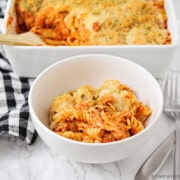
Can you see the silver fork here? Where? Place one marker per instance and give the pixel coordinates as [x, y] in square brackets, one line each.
[172, 109]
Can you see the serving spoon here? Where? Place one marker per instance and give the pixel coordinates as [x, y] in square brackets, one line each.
[25, 39]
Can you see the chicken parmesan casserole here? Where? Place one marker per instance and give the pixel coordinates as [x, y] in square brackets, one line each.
[94, 22]
[109, 113]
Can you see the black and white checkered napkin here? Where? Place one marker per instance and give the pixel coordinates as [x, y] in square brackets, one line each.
[14, 110]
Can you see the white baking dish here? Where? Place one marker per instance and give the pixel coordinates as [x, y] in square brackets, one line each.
[29, 61]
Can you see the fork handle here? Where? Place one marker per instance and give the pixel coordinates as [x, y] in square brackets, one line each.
[177, 151]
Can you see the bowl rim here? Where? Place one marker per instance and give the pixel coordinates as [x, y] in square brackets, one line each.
[75, 58]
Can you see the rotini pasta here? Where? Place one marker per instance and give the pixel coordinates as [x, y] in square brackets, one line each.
[97, 22]
[109, 113]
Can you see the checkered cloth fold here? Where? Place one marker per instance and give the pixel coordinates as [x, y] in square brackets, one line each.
[14, 110]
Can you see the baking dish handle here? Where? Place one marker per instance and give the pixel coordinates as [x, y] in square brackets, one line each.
[176, 63]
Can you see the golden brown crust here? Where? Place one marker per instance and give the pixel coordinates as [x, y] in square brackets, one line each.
[105, 22]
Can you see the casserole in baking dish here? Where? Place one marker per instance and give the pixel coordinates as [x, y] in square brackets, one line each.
[95, 36]
[105, 22]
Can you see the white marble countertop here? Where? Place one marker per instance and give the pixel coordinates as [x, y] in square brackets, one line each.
[19, 161]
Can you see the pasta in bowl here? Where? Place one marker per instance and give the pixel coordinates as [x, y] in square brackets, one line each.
[109, 113]
[106, 89]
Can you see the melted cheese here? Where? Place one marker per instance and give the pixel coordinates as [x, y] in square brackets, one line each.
[105, 22]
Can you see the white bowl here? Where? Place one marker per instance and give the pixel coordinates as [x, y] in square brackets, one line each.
[93, 69]
[155, 58]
